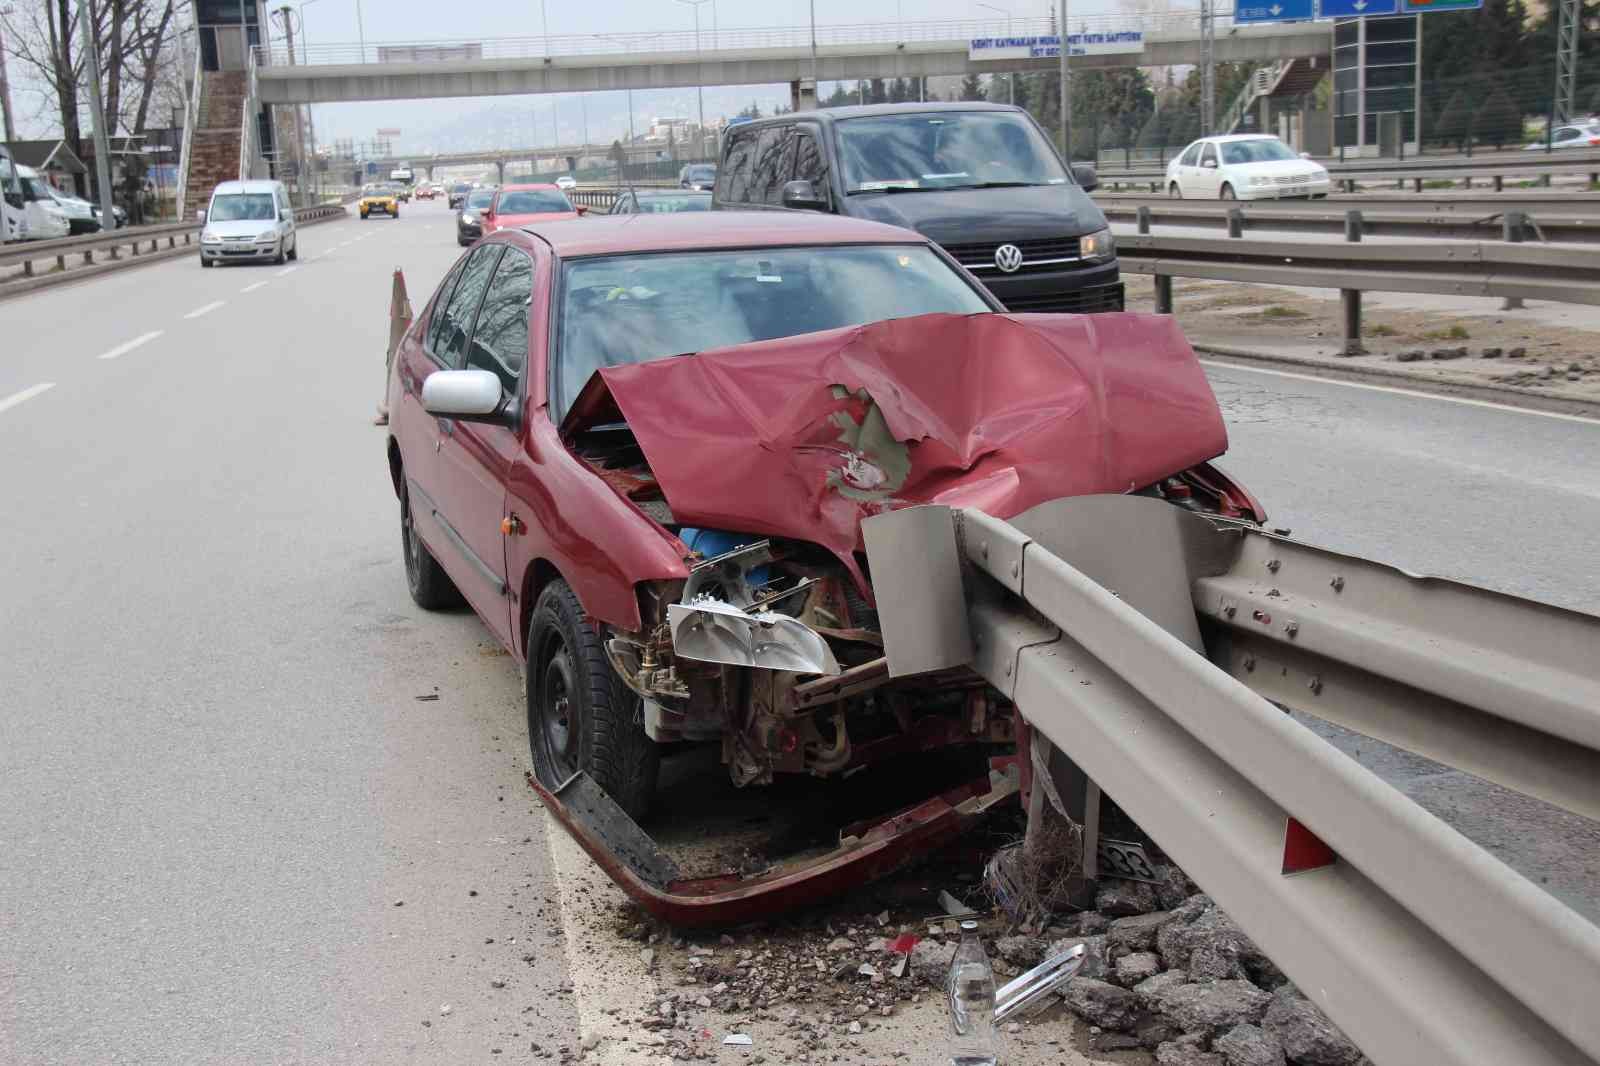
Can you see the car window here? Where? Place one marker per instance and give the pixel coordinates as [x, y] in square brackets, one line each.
[784, 169]
[532, 202]
[1191, 158]
[667, 204]
[1567, 134]
[634, 308]
[944, 150]
[769, 153]
[451, 339]
[621, 206]
[736, 168]
[500, 339]
[1209, 155]
[481, 198]
[810, 164]
[1264, 150]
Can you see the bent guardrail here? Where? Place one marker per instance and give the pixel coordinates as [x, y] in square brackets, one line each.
[1105, 618]
[141, 244]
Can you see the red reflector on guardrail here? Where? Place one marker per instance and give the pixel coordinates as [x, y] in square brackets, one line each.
[1303, 850]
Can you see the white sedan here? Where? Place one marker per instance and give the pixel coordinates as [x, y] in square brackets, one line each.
[566, 181]
[1577, 135]
[1243, 168]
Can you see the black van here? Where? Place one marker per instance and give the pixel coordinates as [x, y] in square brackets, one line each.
[981, 180]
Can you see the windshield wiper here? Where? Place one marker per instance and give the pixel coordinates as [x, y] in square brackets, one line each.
[896, 188]
[998, 185]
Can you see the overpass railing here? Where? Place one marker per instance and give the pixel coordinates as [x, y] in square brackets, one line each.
[191, 119]
[1158, 649]
[736, 39]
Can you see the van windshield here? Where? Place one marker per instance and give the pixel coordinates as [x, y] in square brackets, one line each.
[243, 207]
[945, 150]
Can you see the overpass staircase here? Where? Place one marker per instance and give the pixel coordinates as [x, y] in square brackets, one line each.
[214, 140]
[1285, 80]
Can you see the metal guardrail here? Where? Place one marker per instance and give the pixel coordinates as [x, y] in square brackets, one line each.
[1237, 219]
[1145, 642]
[1455, 168]
[142, 244]
[604, 196]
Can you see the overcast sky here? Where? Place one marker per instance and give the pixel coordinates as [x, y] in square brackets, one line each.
[327, 22]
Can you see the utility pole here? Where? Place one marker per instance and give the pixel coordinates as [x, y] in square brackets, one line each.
[1566, 63]
[1208, 67]
[1066, 89]
[700, 91]
[287, 14]
[361, 31]
[97, 115]
[5, 86]
[1011, 78]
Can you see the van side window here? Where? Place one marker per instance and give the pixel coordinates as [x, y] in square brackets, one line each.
[736, 168]
[785, 169]
[810, 164]
[1191, 158]
[769, 157]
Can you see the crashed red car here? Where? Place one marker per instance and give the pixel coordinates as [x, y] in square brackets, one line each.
[641, 448]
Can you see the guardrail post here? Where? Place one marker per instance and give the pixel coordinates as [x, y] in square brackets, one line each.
[1144, 218]
[1499, 183]
[88, 257]
[1512, 224]
[27, 268]
[1163, 294]
[1235, 222]
[61, 261]
[1416, 184]
[1350, 299]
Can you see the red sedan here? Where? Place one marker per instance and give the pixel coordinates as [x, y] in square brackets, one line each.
[515, 206]
[641, 449]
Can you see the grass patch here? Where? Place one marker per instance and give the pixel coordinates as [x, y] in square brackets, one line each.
[1439, 183]
[1279, 311]
[1382, 331]
[1457, 332]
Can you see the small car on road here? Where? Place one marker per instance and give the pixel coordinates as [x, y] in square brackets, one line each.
[515, 206]
[378, 200]
[567, 181]
[641, 449]
[469, 223]
[1244, 167]
[249, 221]
[698, 176]
[458, 194]
[1577, 135]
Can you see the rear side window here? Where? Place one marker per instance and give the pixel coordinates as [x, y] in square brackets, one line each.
[1191, 158]
[500, 339]
[769, 175]
[450, 342]
[736, 168]
[810, 164]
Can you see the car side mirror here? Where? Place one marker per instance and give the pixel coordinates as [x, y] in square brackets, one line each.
[1209, 164]
[200, 216]
[1085, 174]
[467, 395]
[803, 196]
[1305, 155]
[582, 209]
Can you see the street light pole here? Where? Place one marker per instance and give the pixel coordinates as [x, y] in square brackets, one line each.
[544, 21]
[361, 31]
[625, 51]
[102, 143]
[1066, 89]
[1011, 77]
[700, 91]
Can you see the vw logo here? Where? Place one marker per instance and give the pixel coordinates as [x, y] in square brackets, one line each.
[1008, 257]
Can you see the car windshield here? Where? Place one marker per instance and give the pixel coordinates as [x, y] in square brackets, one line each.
[1265, 150]
[37, 189]
[481, 198]
[242, 207]
[667, 205]
[532, 202]
[945, 150]
[635, 308]
[701, 173]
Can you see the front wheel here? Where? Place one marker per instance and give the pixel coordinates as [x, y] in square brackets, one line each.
[208, 264]
[294, 251]
[1227, 193]
[1173, 192]
[282, 253]
[580, 714]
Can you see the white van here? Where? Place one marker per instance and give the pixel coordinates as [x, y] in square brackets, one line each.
[248, 221]
[13, 216]
[40, 217]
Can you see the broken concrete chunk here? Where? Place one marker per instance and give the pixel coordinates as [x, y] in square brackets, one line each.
[1023, 951]
[1102, 1004]
[1174, 1054]
[930, 962]
[1415, 355]
[1118, 898]
[1150, 990]
[1136, 933]
[1248, 1045]
[1212, 1008]
[1132, 969]
[1095, 963]
[1307, 1036]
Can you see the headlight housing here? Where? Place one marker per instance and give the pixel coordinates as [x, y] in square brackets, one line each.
[266, 238]
[1098, 245]
[1260, 180]
[208, 237]
[466, 219]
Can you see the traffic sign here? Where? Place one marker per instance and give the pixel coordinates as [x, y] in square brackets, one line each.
[1247, 11]
[1350, 9]
[1423, 7]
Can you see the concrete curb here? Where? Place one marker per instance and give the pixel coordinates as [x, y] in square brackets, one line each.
[1394, 377]
[11, 289]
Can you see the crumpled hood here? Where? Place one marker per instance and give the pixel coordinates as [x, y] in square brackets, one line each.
[977, 216]
[803, 437]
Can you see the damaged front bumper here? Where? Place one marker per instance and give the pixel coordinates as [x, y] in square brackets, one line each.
[866, 851]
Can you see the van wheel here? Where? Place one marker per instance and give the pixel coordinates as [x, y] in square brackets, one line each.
[1173, 192]
[580, 714]
[208, 264]
[294, 250]
[282, 255]
[430, 587]
[1227, 193]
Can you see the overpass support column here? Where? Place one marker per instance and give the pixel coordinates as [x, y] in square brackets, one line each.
[500, 169]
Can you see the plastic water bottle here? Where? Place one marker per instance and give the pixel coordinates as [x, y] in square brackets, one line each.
[971, 990]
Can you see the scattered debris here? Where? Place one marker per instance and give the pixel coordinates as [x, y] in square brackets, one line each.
[428, 697]
[738, 1039]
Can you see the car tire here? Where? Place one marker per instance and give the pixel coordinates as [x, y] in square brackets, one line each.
[430, 587]
[208, 264]
[580, 714]
[363, 216]
[1227, 193]
[294, 250]
[1173, 192]
[282, 254]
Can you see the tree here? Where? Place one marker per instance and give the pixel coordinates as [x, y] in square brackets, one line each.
[972, 87]
[1453, 123]
[752, 112]
[876, 92]
[1499, 120]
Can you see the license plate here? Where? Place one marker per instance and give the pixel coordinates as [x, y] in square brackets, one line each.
[1124, 859]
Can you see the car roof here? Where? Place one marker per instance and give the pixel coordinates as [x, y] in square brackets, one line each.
[245, 186]
[711, 230]
[529, 187]
[646, 193]
[831, 114]
[1243, 137]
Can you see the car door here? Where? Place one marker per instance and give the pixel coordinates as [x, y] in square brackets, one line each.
[1185, 173]
[434, 511]
[476, 457]
[1208, 175]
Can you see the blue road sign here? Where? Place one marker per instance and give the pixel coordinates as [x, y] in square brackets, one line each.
[1349, 9]
[1246, 11]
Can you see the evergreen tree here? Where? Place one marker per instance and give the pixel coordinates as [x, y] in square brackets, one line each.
[877, 93]
[1453, 124]
[902, 91]
[1499, 121]
[972, 87]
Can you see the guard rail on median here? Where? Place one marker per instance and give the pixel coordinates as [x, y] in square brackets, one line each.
[1145, 643]
[1550, 224]
[142, 244]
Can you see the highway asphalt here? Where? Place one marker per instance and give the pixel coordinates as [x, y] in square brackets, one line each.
[257, 808]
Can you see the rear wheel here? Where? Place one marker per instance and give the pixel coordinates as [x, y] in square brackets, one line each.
[430, 587]
[1227, 193]
[580, 714]
[1173, 192]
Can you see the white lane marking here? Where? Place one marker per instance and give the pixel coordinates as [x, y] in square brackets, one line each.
[252, 288]
[124, 349]
[1508, 408]
[25, 395]
[206, 310]
[285, 270]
